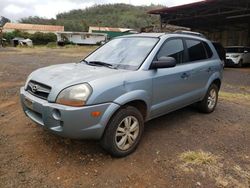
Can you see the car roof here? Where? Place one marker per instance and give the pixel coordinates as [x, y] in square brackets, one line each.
[145, 35]
[163, 35]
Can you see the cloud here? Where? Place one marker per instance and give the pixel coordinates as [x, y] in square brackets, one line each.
[16, 9]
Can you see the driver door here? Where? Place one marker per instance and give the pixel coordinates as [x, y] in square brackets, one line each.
[170, 84]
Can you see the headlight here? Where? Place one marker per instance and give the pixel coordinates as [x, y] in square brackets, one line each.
[75, 95]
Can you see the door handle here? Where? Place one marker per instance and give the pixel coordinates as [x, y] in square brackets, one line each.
[185, 75]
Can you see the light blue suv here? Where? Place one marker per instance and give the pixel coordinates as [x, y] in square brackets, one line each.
[131, 79]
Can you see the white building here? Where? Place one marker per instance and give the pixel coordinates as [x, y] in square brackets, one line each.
[81, 37]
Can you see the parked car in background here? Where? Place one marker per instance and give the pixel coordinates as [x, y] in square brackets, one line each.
[237, 56]
[129, 80]
[221, 51]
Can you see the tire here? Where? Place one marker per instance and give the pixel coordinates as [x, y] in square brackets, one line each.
[208, 104]
[117, 139]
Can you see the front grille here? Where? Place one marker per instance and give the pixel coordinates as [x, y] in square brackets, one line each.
[39, 90]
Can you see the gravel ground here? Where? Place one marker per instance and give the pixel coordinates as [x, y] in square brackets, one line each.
[181, 149]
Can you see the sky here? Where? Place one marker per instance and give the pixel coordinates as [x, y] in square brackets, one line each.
[16, 9]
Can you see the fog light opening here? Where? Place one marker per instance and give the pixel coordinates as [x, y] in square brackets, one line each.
[56, 114]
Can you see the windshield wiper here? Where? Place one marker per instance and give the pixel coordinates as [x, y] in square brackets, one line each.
[85, 61]
[100, 63]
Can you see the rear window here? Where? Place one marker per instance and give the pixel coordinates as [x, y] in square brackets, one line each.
[196, 50]
[220, 50]
[208, 50]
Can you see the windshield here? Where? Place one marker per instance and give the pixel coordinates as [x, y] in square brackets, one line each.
[126, 53]
[235, 50]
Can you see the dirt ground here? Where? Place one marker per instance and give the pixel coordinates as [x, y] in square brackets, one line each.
[181, 149]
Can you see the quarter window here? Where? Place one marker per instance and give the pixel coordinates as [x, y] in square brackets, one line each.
[196, 50]
[172, 48]
[248, 50]
[209, 51]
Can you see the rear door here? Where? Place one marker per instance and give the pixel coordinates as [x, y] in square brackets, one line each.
[202, 67]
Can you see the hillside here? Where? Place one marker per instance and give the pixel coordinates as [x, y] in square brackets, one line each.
[111, 15]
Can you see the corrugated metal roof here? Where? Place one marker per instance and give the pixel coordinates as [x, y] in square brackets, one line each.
[33, 27]
[94, 28]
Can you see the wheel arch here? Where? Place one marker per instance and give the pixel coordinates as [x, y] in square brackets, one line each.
[138, 99]
[217, 82]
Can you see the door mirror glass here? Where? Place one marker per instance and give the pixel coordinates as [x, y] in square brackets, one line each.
[163, 62]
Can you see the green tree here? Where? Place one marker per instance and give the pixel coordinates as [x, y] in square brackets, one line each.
[110, 15]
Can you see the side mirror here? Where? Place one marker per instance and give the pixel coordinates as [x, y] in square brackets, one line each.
[163, 62]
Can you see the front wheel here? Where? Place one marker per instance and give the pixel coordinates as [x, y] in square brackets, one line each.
[208, 104]
[123, 132]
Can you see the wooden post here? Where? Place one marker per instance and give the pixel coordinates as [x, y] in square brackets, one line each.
[160, 22]
[1, 37]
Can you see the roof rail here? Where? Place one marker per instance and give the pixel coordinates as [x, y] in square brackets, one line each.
[190, 33]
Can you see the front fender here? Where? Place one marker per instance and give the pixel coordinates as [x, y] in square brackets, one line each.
[141, 95]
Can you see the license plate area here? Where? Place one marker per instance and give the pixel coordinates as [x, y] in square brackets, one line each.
[28, 103]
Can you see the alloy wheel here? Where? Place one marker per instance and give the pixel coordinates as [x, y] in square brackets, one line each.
[127, 133]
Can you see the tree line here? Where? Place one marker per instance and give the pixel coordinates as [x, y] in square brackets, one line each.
[110, 15]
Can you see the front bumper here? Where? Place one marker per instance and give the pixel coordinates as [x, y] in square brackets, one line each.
[66, 121]
[232, 61]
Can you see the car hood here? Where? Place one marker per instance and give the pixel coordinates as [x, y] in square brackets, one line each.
[232, 54]
[61, 76]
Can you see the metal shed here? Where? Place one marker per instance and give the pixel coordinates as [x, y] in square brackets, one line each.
[227, 21]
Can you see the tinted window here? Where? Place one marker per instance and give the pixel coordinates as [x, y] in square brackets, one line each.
[234, 50]
[172, 48]
[209, 51]
[220, 50]
[196, 50]
[247, 49]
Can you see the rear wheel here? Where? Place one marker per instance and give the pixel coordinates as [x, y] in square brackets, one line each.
[208, 104]
[123, 132]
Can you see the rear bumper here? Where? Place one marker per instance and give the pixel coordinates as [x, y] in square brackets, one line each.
[69, 122]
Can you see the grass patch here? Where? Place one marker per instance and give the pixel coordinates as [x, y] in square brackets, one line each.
[214, 167]
[235, 97]
[198, 157]
[70, 51]
[52, 45]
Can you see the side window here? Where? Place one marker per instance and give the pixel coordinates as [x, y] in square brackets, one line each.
[209, 51]
[196, 50]
[172, 48]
